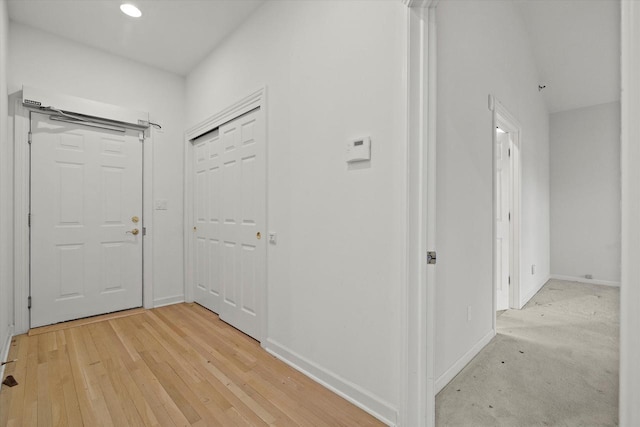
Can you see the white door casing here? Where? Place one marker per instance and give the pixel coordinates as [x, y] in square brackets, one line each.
[515, 194]
[629, 412]
[502, 209]
[417, 388]
[229, 209]
[503, 119]
[86, 189]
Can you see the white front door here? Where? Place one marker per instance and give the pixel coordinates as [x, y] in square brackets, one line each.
[503, 203]
[86, 203]
[230, 215]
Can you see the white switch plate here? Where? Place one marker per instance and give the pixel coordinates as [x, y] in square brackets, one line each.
[273, 237]
[358, 150]
[161, 205]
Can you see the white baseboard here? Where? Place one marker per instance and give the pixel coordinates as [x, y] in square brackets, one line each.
[584, 280]
[524, 300]
[455, 369]
[4, 354]
[349, 391]
[161, 302]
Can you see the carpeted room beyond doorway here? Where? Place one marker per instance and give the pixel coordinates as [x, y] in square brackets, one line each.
[553, 363]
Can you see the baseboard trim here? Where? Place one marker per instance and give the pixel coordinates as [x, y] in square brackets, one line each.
[584, 280]
[459, 365]
[5, 352]
[533, 291]
[349, 391]
[161, 302]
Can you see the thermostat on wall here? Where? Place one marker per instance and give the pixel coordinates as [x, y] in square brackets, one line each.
[359, 150]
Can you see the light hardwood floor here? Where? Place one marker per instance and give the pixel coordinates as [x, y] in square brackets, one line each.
[173, 366]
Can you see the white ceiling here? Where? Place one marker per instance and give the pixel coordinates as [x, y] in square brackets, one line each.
[172, 35]
[577, 48]
[576, 42]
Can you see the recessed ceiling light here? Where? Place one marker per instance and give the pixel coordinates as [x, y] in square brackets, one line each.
[130, 10]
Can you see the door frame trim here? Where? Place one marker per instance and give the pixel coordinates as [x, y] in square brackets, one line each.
[629, 411]
[255, 99]
[503, 118]
[20, 126]
[417, 384]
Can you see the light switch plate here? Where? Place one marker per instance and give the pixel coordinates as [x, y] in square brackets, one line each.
[358, 150]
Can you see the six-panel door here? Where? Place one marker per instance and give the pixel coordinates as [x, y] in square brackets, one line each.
[86, 189]
[229, 218]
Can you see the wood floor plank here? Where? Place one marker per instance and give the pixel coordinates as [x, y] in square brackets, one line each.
[30, 405]
[236, 372]
[125, 339]
[77, 362]
[72, 405]
[11, 404]
[206, 363]
[157, 351]
[44, 395]
[212, 397]
[190, 382]
[90, 365]
[119, 355]
[234, 377]
[58, 406]
[145, 376]
[86, 321]
[121, 408]
[153, 411]
[204, 341]
[178, 365]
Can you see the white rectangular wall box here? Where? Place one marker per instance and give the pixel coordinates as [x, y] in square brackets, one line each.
[39, 98]
[358, 150]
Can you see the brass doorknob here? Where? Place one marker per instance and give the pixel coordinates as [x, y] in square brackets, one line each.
[135, 231]
[258, 235]
[135, 219]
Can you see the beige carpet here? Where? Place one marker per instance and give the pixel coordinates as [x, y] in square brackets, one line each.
[553, 363]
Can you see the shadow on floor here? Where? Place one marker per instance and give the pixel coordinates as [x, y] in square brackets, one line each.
[553, 363]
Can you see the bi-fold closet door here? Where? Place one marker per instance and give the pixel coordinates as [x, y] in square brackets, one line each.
[229, 258]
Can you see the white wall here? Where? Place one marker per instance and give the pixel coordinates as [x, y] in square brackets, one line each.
[483, 49]
[6, 230]
[45, 61]
[585, 192]
[333, 71]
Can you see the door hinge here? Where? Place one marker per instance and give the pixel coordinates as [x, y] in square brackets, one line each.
[29, 220]
[29, 302]
[144, 231]
[509, 152]
[509, 281]
[431, 257]
[141, 136]
[29, 138]
[509, 216]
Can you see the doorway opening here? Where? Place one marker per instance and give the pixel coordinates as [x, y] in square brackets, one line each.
[506, 180]
[85, 219]
[82, 186]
